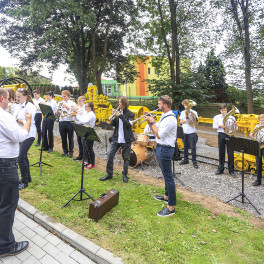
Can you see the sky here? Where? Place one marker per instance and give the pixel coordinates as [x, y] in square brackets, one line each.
[59, 77]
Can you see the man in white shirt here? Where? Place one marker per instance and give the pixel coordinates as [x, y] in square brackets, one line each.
[190, 136]
[223, 139]
[65, 127]
[48, 125]
[38, 116]
[165, 131]
[10, 136]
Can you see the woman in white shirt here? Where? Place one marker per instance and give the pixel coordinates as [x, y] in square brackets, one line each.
[25, 106]
[12, 104]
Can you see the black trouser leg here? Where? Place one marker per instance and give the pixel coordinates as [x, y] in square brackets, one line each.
[126, 149]
[38, 119]
[110, 160]
[9, 194]
[90, 152]
[70, 132]
[80, 146]
[50, 126]
[230, 154]
[22, 159]
[259, 167]
[63, 133]
[44, 134]
[221, 148]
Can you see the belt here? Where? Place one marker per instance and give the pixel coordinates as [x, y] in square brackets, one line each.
[164, 146]
[7, 159]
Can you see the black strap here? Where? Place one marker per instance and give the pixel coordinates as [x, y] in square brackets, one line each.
[167, 116]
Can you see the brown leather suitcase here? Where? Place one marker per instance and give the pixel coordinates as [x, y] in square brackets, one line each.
[103, 204]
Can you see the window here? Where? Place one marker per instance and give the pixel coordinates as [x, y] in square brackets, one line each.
[155, 71]
[148, 70]
[107, 90]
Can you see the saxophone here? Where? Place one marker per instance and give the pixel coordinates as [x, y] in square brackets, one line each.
[258, 134]
[193, 122]
[230, 122]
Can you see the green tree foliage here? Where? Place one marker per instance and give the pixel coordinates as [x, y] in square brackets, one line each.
[86, 35]
[173, 29]
[215, 72]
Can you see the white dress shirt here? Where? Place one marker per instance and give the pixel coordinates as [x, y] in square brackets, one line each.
[20, 112]
[36, 103]
[121, 136]
[70, 104]
[53, 105]
[187, 129]
[218, 120]
[87, 119]
[167, 129]
[11, 106]
[81, 112]
[10, 135]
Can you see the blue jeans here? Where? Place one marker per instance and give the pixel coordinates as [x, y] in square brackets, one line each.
[164, 155]
[8, 202]
[189, 140]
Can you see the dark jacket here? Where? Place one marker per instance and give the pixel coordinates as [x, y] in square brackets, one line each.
[128, 133]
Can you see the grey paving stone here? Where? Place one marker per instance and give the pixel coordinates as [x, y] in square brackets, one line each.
[18, 225]
[54, 240]
[105, 257]
[11, 260]
[41, 231]
[27, 208]
[36, 251]
[38, 240]
[27, 232]
[67, 249]
[30, 223]
[65, 259]
[51, 250]
[23, 256]
[32, 260]
[47, 259]
[20, 216]
[17, 234]
[79, 257]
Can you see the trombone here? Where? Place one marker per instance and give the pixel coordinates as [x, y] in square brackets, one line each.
[143, 116]
[113, 115]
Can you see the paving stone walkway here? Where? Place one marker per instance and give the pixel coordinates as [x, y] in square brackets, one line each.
[44, 247]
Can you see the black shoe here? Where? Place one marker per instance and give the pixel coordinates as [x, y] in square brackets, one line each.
[50, 150]
[23, 185]
[184, 162]
[63, 155]
[107, 177]
[19, 247]
[125, 179]
[160, 198]
[29, 179]
[70, 155]
[166, 212]
[78, 158]
[218, 172]
[233, 174]
[37, 145]
[195, 165]
[256, 183]
[44, 149]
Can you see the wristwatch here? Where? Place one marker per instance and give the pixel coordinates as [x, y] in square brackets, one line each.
[151, 123]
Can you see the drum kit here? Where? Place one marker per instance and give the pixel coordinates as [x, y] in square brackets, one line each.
[140, 149]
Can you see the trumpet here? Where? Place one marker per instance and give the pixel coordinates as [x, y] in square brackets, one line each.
[60, 106]
[113, 115]
[72, 112]
[143, 116]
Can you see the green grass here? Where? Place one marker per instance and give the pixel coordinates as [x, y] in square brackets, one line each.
[132, 230]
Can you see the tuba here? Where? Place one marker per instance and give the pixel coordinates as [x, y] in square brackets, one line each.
[258, 134]
[193, 122]
[230, 122]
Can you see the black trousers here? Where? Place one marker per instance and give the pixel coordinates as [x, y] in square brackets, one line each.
[9, 194]
[223, 140]
[38, 119]
[126, 148]
[89, 151]
[80, 145]
[47, 133]
[23, 161]
[66, 130]
[259, 166]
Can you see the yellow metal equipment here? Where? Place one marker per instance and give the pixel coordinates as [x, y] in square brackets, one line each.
[14, 86]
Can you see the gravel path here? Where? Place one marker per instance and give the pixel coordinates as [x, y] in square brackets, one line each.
[202, 180]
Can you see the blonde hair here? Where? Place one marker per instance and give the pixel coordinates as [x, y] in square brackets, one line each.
[261, 116]
[185, 102]
[83, 98]
[66, 92]
[166, 100]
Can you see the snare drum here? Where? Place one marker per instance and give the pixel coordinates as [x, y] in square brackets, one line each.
[142, 139]
[152, 141]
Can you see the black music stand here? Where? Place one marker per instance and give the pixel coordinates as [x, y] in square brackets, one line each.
[248, 146]
[84, 133]
[48, 113]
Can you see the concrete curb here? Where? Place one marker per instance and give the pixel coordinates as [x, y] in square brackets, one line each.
[88, 248]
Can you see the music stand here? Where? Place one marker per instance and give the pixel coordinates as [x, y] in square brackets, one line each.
[84, 133]
[47, 113]
[248, 146]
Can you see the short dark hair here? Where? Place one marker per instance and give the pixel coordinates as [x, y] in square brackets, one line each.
[166, 100]
[50, 93]
[91, 104]
[36, 91]
[124, 102]
[222, 106]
